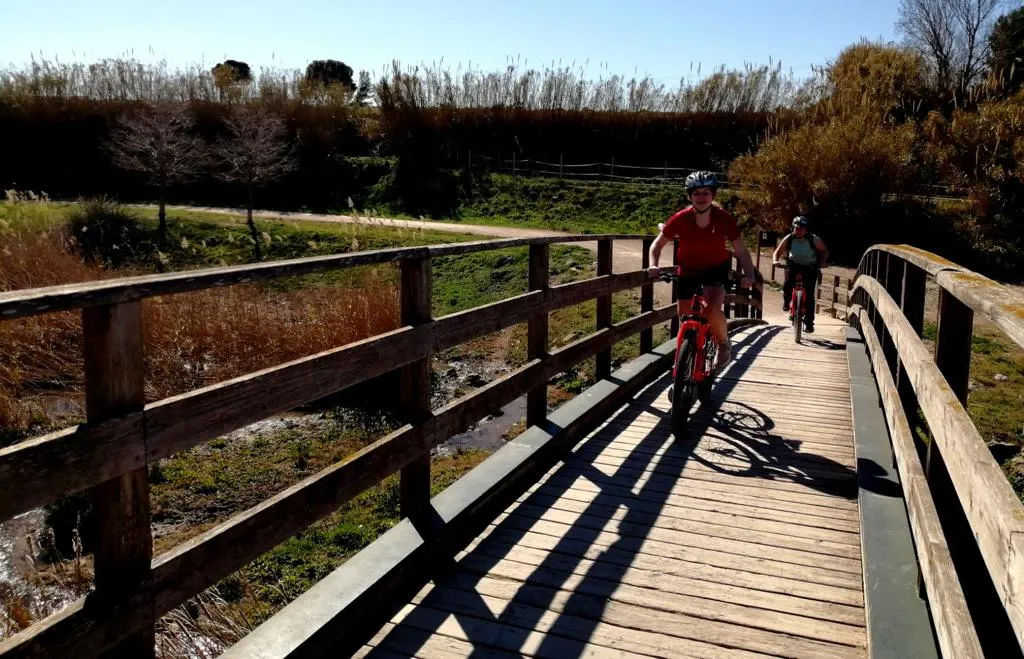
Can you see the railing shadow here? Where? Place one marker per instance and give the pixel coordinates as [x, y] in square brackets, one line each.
[542, 592]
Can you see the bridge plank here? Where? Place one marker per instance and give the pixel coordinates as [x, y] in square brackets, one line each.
[740, 538]
[731, 503]
[615, 506]
[556, 547]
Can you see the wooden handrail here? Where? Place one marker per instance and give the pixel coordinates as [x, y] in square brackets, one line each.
[953, 626]
[65, 297]
[1001, 305]
[994, 513]
[120, 443]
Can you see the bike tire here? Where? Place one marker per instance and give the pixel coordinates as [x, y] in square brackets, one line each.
[683, 393]
[704, 388]
[798, 305]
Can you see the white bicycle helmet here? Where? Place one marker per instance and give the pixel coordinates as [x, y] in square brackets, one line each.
[701, 179]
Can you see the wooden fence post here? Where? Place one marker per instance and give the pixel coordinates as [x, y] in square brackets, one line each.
[894, 271]
[835, 294]
[115, 386]
[414, 486]
[537, 334]
[912, 304]
[646, 297]
[674, 324]
[953, 357]
[603, 366]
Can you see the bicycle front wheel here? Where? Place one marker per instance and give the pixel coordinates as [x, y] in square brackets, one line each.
[710, 359]
[683, 391]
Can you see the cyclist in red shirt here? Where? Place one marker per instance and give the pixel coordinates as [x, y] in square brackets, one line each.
[703, 230]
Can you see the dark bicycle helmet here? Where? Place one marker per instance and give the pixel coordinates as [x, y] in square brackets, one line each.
[701, 179]
[801, 221]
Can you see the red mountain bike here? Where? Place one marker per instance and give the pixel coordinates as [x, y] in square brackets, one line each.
[693, 370]
[797, 302]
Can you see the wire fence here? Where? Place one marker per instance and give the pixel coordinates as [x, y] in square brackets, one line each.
[661, 174]
[592, 171]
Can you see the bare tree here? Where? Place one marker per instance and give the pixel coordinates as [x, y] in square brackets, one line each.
[159, 144]
[255, 152]
[952, 34]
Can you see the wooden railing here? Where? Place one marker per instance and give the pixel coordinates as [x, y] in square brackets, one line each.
[966, 520]
[109, 454]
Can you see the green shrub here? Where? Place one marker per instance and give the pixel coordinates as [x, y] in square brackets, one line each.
[108, 235]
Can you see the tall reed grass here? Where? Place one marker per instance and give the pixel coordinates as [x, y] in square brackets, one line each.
[751, 89]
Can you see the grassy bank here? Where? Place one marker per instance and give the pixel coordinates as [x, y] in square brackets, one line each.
[578, 207]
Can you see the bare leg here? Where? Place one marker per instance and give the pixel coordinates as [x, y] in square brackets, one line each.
[715, 296]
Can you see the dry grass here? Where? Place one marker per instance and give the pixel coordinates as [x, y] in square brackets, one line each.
[191, 340]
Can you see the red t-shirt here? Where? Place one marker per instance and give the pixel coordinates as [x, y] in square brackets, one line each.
[700, 249]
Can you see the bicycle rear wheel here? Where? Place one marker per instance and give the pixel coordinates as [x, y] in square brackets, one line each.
[684, 390]
[798, 308]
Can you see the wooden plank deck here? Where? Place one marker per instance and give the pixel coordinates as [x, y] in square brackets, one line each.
[742, 540]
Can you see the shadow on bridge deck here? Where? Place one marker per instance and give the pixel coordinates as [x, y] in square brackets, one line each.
[742, 537]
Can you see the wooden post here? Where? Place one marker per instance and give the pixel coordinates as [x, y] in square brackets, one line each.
[613, 165]
[894, 269]
[912, 303]
[414, 486]
[115, 386]
[674, 325]
[513, 163]
[757, 257]
[953, 343]
[561, 164]
[777, 240]
[835, 294]
[913, 297]
[537, 334]
[604, 307]
[646, 297]
[953, 357]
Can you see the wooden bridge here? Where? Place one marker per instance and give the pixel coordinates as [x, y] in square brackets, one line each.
[832, 499]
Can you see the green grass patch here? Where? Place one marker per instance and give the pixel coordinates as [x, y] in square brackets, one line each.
[470, 280]
[995, 402]
[575, 207]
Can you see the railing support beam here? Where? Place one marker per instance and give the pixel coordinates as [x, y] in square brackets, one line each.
[115, 386]
[646, 298]
[414, 485]
[537, 334]
[603, 367]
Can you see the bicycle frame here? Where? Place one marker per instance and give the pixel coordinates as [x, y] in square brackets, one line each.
[798, 284]
[697, 322]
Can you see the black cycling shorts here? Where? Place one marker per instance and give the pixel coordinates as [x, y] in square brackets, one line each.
[714, 276]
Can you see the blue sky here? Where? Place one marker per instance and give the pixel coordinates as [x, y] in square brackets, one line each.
[653, 37]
